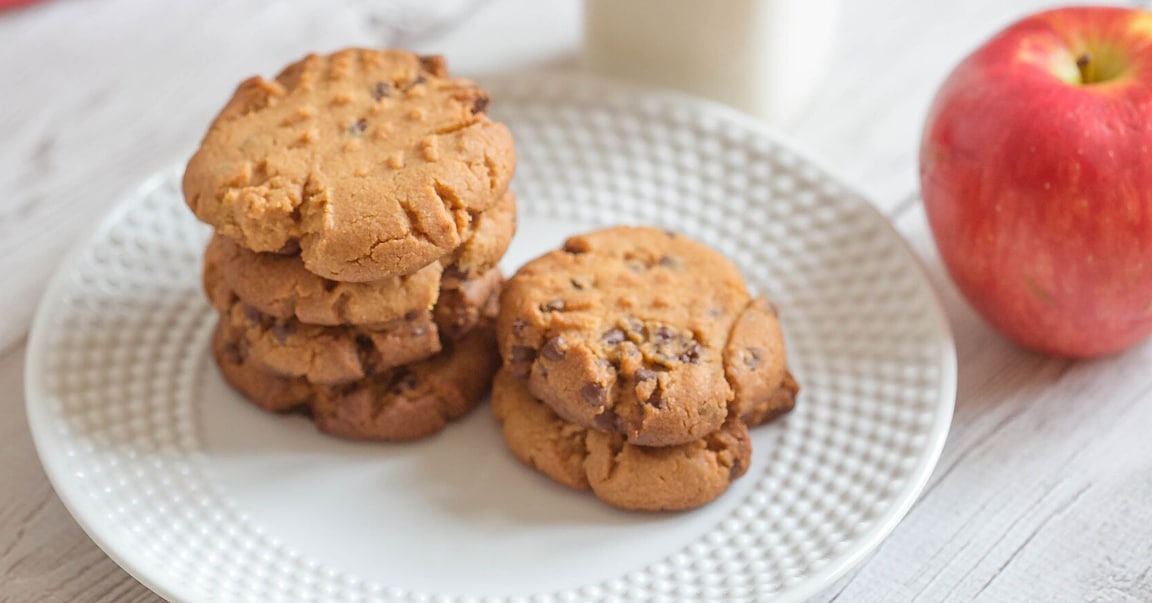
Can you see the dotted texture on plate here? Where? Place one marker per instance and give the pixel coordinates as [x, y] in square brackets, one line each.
[864, 336]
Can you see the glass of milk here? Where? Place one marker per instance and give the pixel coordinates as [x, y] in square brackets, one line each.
[760, 56]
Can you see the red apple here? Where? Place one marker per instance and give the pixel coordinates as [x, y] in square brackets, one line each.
[1036, 174]
[7, 4]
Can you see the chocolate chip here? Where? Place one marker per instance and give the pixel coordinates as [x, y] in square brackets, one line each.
[670, 234]
[281, 331]
[403, 382]
[382, 90]
[644, 374]
[692, 355]
[752, 358]
[613, 336]
[420, 79]
[594, 394]
[670, 262]
[607, 420]
[358, 127]
[522, 354]
[252, 313]
[454, 272]
[292, 247]
[518, 325]
[242, 347]
[554, 349]
[662, 334]
[553, 306]
[231, 353]
[656, 400]
[480, 104]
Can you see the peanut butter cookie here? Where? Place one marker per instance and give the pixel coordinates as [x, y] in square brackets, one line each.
[373, 163]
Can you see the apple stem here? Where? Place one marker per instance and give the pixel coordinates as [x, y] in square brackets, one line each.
[1087, 68]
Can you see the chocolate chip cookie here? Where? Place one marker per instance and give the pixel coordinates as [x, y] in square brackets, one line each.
[346, 353]
[373, 163]
[332, 355]
[772, 406]
[754, 364]
[621, 474]
[640, 332]
[404, 403]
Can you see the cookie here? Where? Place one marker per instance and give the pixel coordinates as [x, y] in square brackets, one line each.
[623, 475]
[630, 330]
[262, 387]
[461, 307]
[343, 354]
[374, 163]
[779, 402]
[754, 361]
[280, 285]
[405, 403]
[332, 355]
[492, 233]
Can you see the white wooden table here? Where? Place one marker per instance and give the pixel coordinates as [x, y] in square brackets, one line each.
[1044, 489]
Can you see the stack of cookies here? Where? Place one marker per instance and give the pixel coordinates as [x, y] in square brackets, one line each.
[635, 360]
[360, 202]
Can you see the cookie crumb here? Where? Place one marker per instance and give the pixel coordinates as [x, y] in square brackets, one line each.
[553, 349]
[555, 305]
[431, 149]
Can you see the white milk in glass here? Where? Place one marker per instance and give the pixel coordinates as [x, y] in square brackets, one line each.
[760, 56]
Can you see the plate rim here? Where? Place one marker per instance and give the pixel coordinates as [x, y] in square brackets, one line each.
[138, 565]
[39, 419]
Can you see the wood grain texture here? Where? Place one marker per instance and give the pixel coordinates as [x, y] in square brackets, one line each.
[1043, 487]
[44, 555]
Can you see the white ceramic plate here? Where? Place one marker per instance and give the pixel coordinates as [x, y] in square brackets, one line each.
[205, 498]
